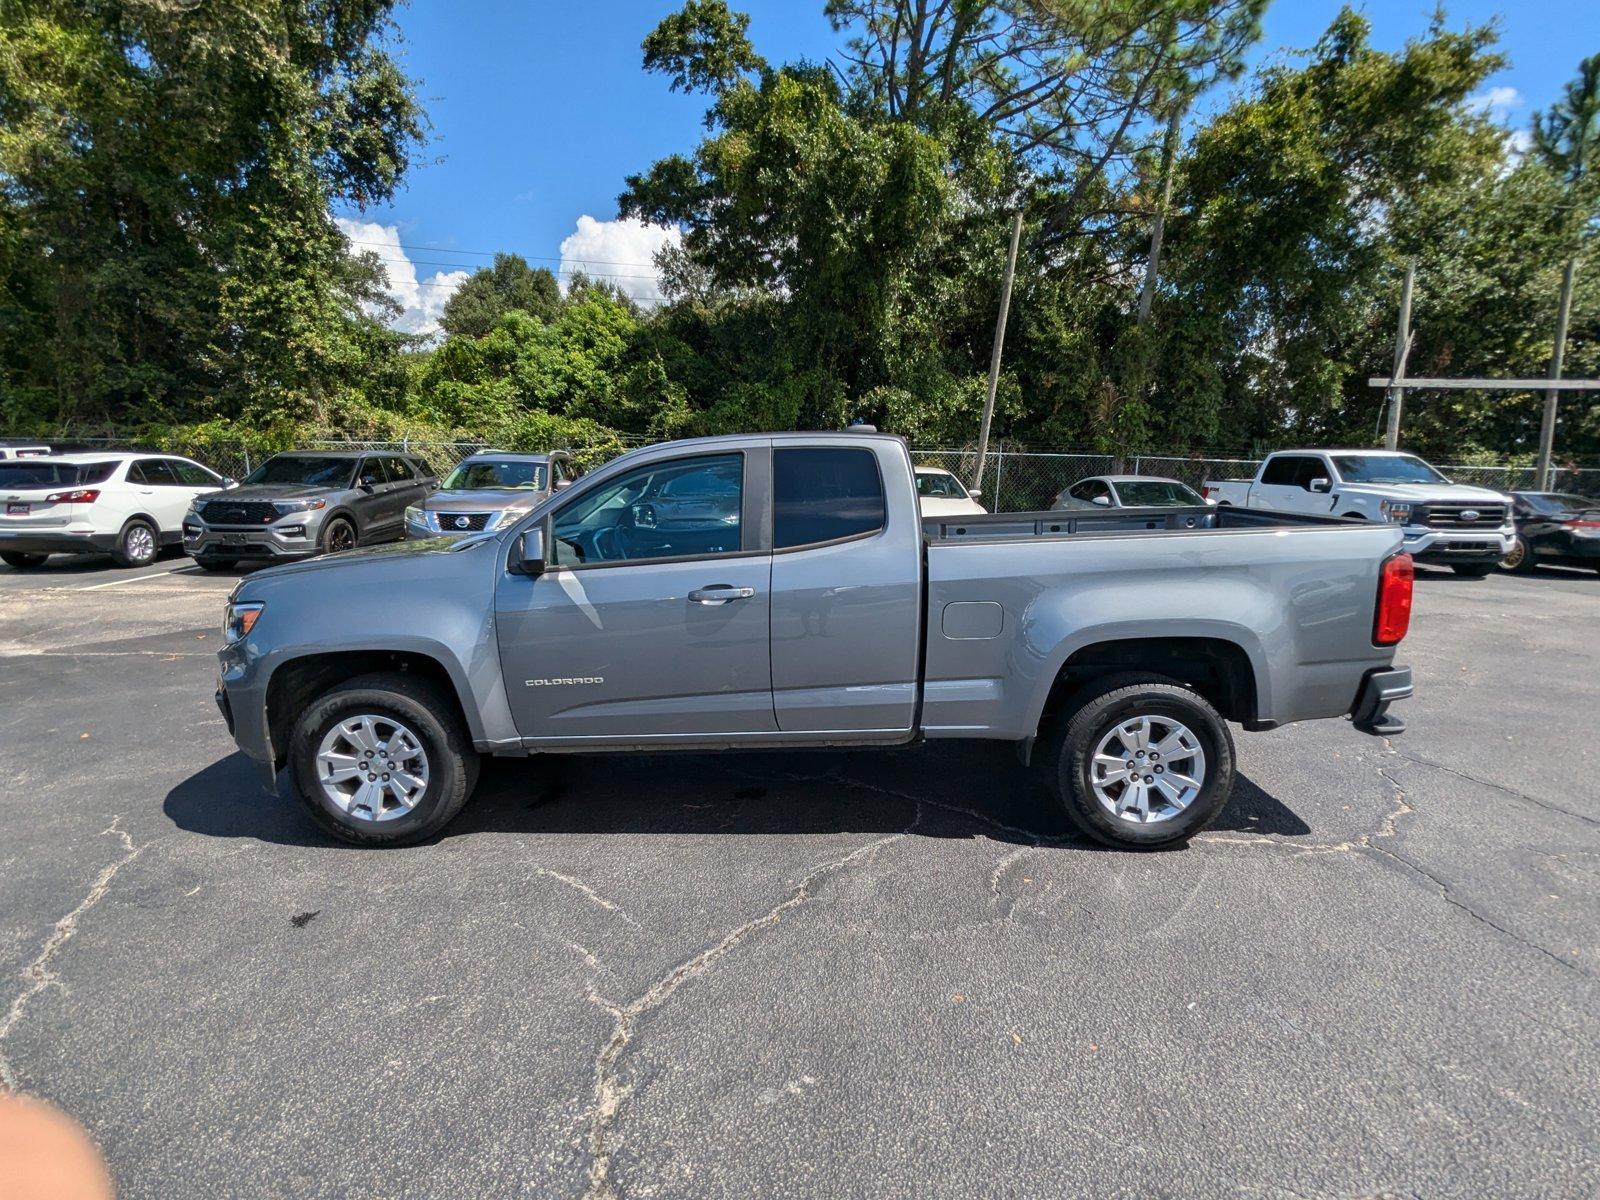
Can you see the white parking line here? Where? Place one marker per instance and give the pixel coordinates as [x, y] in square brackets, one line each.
[123, 582]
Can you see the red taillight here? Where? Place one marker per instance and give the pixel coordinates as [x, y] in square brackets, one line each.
[1394, 600]
[1206, 492]
[81, 496]
[1581, 524]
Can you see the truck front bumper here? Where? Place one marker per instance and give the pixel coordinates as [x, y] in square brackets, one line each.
[1428, 545]
[1379, 689]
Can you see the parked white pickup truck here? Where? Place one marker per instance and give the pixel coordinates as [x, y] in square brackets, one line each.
[1466, 528]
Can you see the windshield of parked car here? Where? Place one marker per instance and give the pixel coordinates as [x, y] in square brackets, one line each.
[482, 475]
[1385, 468]
[296, 468]
[940, 485]
[1137, 493]
[39, 472]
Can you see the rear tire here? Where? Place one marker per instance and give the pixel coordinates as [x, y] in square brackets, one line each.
[406, 712]
[1473, 570]
[137, 544]
[1522, 559]
[21, 561]
[1171, 714]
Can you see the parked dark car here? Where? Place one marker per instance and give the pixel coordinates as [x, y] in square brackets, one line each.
[1555, 529]
[315, 502]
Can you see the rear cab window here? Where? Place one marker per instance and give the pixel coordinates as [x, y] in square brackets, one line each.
[822, 495]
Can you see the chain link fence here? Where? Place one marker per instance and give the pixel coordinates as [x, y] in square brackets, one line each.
[1014, 479]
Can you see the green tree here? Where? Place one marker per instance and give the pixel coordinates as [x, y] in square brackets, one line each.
[166, 176]
[1567, 136]
[509, 285]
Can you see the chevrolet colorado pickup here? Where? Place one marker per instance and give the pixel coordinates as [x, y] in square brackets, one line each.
[783, 590]
[1457, 525]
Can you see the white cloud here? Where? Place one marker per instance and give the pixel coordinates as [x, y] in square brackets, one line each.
[1497, 101]
[619, 252]
[422, 300]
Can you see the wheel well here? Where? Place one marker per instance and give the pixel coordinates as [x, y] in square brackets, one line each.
[1354, 516]
[1219, 670]
[299, 681]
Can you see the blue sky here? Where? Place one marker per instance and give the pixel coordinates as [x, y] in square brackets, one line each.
[540, 110]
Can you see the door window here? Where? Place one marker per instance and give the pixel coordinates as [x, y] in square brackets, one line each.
[399, 470]
[192, 474]
[1284, 470]
[155, 472]
[685, 507]
[825, 495]
[371, 473]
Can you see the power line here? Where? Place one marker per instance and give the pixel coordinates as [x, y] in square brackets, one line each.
[493, 253]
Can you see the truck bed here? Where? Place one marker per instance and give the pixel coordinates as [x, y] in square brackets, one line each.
[1065, 523]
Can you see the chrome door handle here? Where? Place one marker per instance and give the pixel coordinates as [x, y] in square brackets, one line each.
[720, 593]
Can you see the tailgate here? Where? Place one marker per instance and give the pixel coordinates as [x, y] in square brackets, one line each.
[29, 511]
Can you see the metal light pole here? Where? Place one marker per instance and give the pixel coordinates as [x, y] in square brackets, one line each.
[1547, 425]
[999, 343]
[1402, 344]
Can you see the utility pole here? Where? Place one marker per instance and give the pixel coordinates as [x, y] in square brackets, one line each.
[1547, 426]
[999, 344]
[1402, 345]
[1169, 150]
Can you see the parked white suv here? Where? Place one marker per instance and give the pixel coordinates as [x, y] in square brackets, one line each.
[1466, 528]
[127, 505]
[941, 494]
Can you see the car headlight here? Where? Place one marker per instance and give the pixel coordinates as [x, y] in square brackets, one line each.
[293, 506]
[1397, 511]
[414, 515]
[240, 620]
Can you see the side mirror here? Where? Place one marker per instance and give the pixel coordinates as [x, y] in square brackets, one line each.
[528, 557]
[365, 486]
[563, 483]
[1102, 501]
[229, 481]
[975, 493]
[1320, 484]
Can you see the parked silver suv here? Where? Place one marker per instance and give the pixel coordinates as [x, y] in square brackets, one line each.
[488, 488]
[316, 502]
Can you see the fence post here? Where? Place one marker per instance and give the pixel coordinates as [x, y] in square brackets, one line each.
[1137, 459]
[247, 460]
[999, 462]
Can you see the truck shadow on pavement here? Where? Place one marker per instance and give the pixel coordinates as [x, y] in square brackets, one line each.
[966, 791]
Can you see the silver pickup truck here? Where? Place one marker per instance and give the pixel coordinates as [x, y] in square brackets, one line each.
[783, 590]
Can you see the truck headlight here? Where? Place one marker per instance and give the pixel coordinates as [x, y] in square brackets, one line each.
[1398, 511]
[293, 506]
[414, 515]
[240, 620]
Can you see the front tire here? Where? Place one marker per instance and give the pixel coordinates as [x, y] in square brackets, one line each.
[1141, 763]
[137, 545]
[382, 760]
[338, 534]
[1473, 570]
[21, 561]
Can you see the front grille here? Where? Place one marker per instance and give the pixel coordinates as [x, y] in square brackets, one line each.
[461, 522]
[1449, 516]
[239, 512]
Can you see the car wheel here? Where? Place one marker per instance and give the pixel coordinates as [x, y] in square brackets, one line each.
[1521, 559]
[1141, 762]
[137, 544]
[338, 534]
[382, 760]
[1473, 570]
[22, 562]
[211, 562]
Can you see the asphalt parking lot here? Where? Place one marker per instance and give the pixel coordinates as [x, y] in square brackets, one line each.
[839, 974]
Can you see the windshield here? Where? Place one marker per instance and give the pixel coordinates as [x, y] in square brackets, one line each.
[1563, 502]
[941, 486]
[296, 468]
[38, 472]
[1141, 492]
[1385, 468]
[484, 475]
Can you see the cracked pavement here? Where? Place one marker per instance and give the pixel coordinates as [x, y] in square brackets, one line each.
[843, 974]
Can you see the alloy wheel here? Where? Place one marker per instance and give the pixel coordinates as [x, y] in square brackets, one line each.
[1148, 769]
[372, 768]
